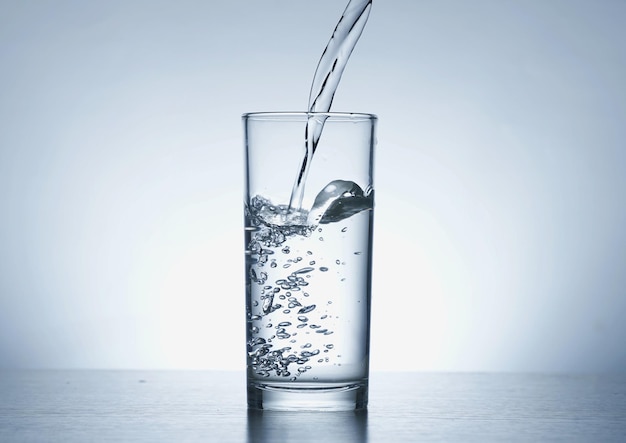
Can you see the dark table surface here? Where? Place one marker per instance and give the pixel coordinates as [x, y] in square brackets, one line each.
[211, 406]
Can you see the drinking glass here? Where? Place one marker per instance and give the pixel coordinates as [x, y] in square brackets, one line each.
[308, 261]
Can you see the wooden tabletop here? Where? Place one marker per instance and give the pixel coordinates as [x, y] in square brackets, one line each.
[404, 407]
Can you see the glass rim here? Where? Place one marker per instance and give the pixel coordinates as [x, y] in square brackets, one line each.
[281, 115]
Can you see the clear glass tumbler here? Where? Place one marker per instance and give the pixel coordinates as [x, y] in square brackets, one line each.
[308, 259]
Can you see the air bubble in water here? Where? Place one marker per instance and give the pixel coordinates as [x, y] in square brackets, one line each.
[267, 304]
[306, 309]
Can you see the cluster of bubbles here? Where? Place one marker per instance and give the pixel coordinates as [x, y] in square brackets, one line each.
[272, 226]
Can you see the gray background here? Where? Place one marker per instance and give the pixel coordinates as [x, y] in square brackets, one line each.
[500, 175]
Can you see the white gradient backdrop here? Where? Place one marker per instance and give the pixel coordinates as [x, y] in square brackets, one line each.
[501, 173]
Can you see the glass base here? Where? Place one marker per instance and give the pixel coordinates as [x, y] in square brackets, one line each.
[313, 397]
